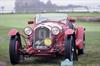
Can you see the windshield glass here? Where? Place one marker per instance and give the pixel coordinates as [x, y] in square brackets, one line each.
[50, 17]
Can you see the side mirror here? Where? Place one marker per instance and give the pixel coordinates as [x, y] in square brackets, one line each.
[72, 20]
[30, 22]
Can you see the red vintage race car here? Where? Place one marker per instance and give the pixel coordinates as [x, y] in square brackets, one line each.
[49, 35]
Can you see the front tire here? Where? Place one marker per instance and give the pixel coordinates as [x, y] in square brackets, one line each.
[14, 46]
[70, 50]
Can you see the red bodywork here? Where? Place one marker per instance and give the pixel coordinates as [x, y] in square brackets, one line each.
[12, 32]
[58, 41]
[79, 37]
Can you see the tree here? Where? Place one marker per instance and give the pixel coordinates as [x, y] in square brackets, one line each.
[87, 8]
[2, 8]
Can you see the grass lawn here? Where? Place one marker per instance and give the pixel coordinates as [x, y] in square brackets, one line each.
[19, 21]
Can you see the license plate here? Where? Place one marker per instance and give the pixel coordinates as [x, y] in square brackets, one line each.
[41, 47]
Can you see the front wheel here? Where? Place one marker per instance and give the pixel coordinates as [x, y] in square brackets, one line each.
[14, 46]
[70, 50]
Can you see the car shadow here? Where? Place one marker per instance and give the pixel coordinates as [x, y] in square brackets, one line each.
[50, 60]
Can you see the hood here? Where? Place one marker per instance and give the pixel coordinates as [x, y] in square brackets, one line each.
[49, 25]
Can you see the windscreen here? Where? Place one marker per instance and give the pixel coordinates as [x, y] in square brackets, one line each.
[50, 17]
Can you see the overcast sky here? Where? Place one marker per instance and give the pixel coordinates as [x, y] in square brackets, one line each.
[77, 2]
[9, 4]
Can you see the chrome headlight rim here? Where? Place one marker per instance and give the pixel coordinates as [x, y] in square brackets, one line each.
[28, 30]
[55, 30]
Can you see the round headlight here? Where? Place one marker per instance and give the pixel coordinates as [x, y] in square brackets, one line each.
[28, 30]
[55, 30]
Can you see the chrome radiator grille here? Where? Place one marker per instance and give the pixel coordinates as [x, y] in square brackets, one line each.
[40, 34]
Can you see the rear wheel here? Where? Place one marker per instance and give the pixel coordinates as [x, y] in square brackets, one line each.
[14, 46]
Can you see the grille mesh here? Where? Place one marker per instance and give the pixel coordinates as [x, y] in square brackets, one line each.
[40, 34]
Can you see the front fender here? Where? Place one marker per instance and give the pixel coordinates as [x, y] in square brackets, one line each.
[69, 32]
[12, 32]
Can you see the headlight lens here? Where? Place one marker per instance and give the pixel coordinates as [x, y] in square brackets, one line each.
[55, 30]
[28, 30]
